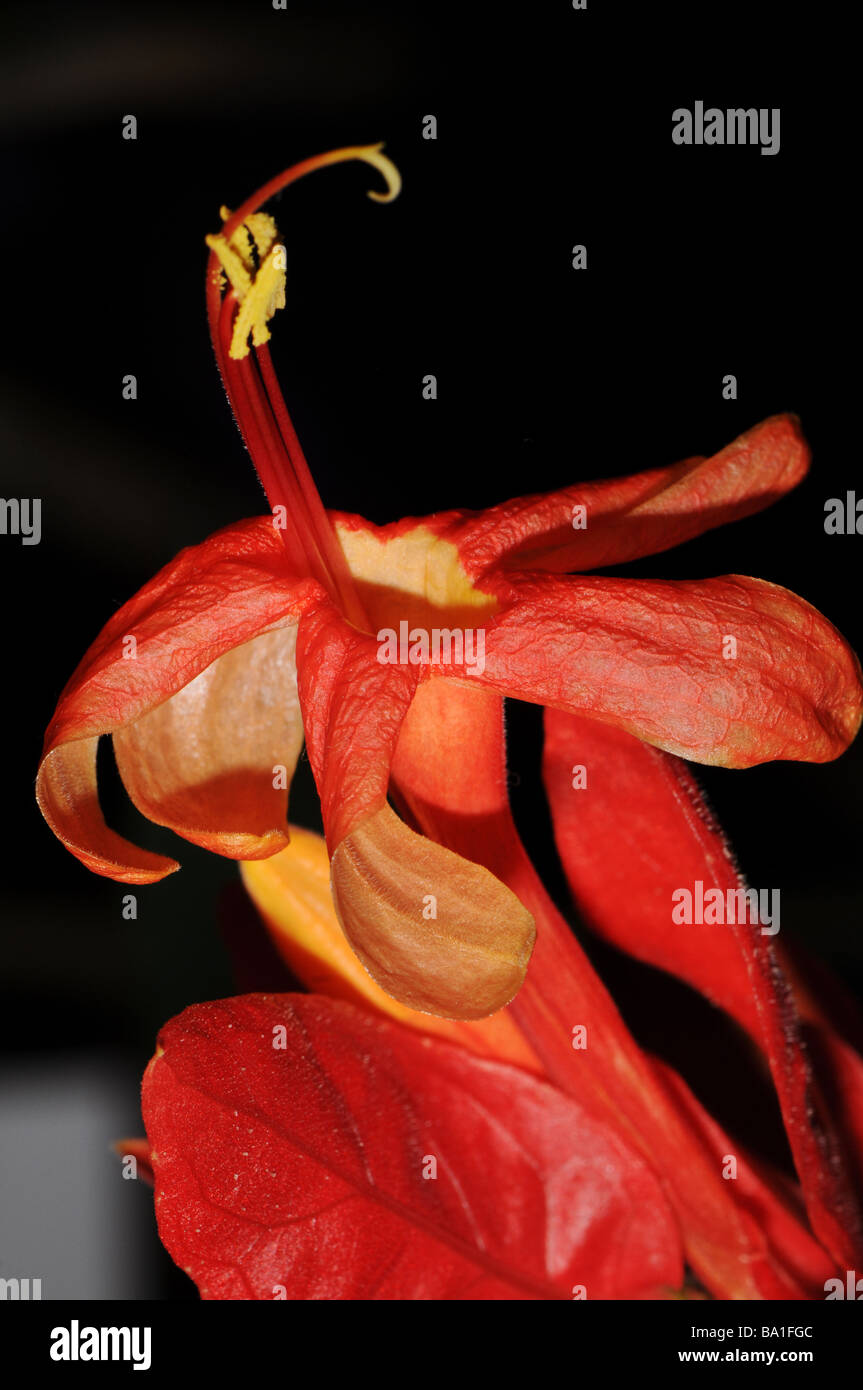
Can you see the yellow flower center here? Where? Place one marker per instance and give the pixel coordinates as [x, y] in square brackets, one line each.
[413, 576]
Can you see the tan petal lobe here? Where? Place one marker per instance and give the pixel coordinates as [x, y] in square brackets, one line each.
[68, 798]
[292, 893]
[209, 600]
[465, 961]
[214, 762]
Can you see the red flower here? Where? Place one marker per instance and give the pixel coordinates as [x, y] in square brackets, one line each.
[389, 649]
[209, 709]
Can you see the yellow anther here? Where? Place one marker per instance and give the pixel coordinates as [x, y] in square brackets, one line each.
[254, 262]
[258, 227]
[267, 294]
[260, 290]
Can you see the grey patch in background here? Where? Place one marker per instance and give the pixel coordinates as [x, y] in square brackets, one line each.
[67, 1215]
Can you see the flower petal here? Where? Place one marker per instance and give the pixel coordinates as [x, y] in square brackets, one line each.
[352, 710]
[214, 761]
[292, 893]
[439, 933]
[734, 671]
[68, 797]
[449, 771]
[639, 515]
[210, 599]
[634, 836]
[637, 831]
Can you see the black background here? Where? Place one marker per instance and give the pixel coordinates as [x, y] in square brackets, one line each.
[553, 129]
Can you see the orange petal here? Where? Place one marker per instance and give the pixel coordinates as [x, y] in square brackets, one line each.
[439, 933]
[292, 893]
[68, 797]
[653, 657]
[212, 598]
[639, 515]
[214, 762]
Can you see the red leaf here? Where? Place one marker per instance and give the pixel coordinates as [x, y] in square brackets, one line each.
[302, 1168]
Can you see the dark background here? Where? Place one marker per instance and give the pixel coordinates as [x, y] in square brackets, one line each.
[553, 129]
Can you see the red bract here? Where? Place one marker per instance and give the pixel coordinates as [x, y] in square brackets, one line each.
[303, 1148]
[648, 834]
[389, 649]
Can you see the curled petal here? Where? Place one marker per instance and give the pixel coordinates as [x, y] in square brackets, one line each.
[643, 514]
[214, 761]
[68, 796]
[212, 598]
[734, 671]
[292, 893]
[437, 932]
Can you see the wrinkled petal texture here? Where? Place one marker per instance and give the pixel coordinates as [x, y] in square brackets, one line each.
[364, 1161]
[352, 710]
[642, 514]
[213, 598]
[648, 657]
